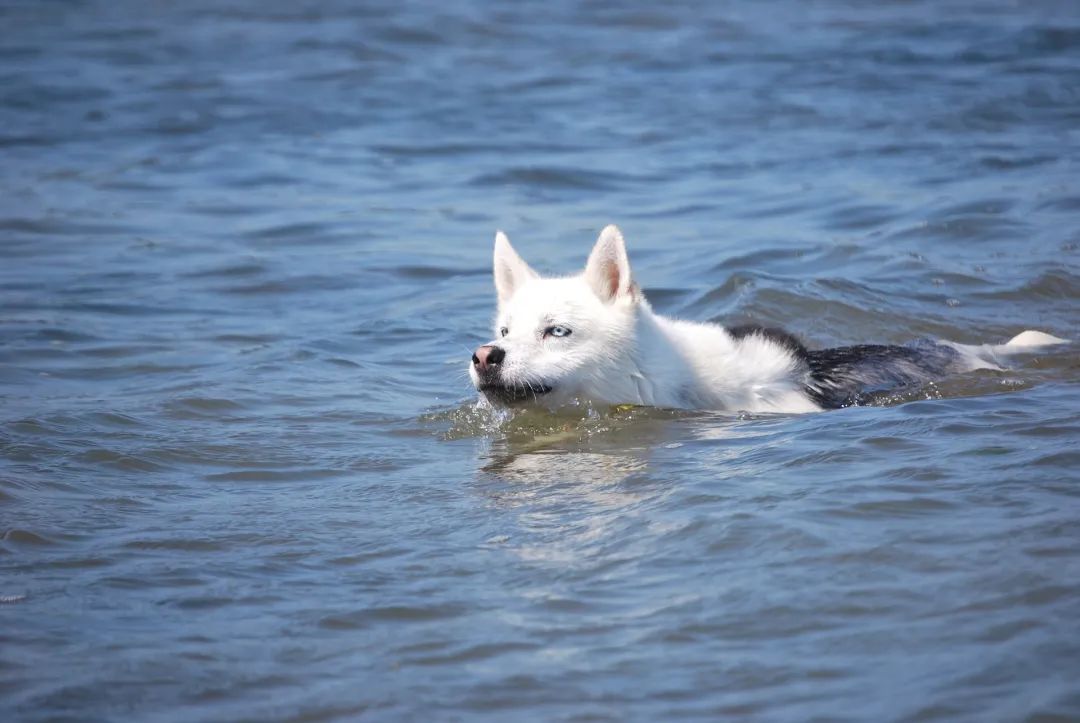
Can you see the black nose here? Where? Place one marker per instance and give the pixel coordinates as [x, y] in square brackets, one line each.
[487, 356]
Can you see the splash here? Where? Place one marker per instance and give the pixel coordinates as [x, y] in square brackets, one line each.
[579, 419]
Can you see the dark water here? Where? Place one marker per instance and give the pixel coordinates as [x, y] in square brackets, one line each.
[245, 252]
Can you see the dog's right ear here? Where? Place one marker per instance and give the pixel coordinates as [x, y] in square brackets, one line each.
[511, 271]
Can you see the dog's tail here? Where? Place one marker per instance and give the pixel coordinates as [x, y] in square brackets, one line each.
[991, 356]
[1028, 340]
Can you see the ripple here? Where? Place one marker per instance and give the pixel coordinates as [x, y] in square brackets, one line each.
[203, 407]
[431, 272]
[268, 475]
[553, 178]
[474, 653]
[391, 614]
[291, 285]
[117, 460]
[292, 233]
[859, 217]
[230, 271]
[1059, 284]
[25, 537]
[900, 507]
[179, 544]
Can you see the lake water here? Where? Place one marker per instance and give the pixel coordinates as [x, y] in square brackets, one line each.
[246, 255]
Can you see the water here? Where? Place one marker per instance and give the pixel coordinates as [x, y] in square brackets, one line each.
[246, 253]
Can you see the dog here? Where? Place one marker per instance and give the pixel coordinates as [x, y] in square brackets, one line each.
[594, 338]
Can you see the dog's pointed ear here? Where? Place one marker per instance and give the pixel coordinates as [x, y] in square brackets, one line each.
[511, 271]
[608, 268]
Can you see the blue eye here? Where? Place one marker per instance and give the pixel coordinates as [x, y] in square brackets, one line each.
[559, 331]
[503, 331]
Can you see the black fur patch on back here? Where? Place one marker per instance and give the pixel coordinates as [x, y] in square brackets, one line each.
[777, 336]
[849, 375]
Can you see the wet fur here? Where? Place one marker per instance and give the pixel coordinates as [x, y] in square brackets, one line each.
[622, 352]
[850, 375]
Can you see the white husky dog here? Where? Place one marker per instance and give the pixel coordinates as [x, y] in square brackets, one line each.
[593, 337]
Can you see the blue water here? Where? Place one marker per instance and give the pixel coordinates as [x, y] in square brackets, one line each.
[246, 255]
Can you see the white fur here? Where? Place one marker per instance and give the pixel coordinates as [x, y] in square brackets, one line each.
[989, 356]
[1030, 339]
[621, 352]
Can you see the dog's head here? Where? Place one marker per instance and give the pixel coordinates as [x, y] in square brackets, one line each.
[557, 339]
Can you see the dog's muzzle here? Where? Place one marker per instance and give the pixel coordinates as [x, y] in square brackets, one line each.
[487, 363]
[513, 393]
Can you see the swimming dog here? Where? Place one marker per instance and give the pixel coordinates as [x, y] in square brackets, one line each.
[593, 337]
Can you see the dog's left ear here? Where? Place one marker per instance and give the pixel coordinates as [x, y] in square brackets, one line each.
[608, 268]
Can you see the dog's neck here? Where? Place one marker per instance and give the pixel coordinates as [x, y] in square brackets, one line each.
[658, 371]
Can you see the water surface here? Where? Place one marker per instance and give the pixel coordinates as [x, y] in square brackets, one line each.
[245, 256]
